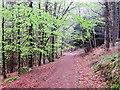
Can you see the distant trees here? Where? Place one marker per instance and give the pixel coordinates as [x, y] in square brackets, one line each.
[90, 31]
[106, 18]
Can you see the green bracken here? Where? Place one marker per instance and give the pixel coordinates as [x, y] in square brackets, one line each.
[24, 70]
[10, 79]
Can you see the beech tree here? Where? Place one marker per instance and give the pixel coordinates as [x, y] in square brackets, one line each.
[27, 31]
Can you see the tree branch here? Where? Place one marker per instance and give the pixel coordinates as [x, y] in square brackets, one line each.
[97, 12]
[66, 10]
[69, 26]
[101, 3]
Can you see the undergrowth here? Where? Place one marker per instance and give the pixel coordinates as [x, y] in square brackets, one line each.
[10, 79]
[109, 69]
[24, 70]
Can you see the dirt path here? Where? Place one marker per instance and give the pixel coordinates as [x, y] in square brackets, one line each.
[64, 76]
[70, 71]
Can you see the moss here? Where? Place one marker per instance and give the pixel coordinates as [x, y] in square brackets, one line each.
[10, 79]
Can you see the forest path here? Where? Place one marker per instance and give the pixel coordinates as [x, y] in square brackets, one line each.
[70, 71]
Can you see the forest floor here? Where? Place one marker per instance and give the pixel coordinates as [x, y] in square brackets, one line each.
[73, 70]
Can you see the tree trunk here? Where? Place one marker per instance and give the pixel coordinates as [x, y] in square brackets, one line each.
[52, 54]
[19, 52]
[119, 18]
[41, 42]
[3, 53]
[30, 33]
[114, 31]
[53, 36]
[61, 53]
[107, 38]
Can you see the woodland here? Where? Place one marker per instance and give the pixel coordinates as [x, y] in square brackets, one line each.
[59, 44]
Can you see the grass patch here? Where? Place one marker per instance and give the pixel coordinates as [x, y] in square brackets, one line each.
[10, 79]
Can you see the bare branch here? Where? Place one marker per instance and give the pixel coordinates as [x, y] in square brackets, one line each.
[58, 11]
[66, 10]
[96, 12]
[101, 3]
[69, 26]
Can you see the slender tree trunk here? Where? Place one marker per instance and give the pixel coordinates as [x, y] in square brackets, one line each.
[94, 40]
[117, 16]
[56, 56]
[40, 58]
[19, 52]
[62, 47]
[30, 33]
[107, 38]
[44, 34]
[41, 41]
[119, 19]
[114, 31]
[52, 54]
[53, 36]
[3, 53]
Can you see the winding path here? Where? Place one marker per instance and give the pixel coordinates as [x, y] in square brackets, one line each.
[70, 71]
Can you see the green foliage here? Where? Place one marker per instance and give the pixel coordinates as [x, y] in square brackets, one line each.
[10, 79]
[109, 69]
[112, 58]
[98, 68]
[86, 24]
[24, 70]
[85, 31]
[87, 21]
[115, 86]
[20, 17]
